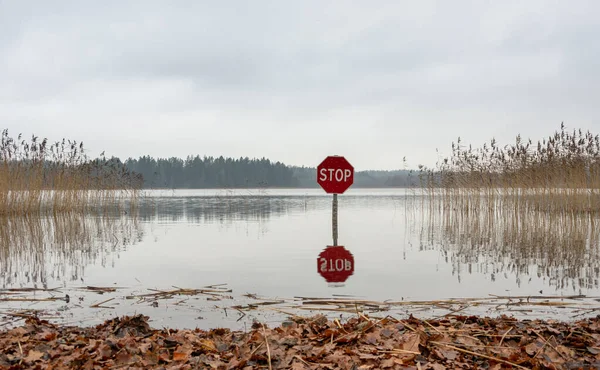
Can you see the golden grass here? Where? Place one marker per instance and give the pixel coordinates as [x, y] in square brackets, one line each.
[521, 209]
[558, 174]
[37, 177]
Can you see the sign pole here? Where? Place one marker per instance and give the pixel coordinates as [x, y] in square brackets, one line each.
[335, 263]
[334, 219]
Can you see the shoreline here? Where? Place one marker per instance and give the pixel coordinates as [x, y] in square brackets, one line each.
[211, 306]
[315, 342]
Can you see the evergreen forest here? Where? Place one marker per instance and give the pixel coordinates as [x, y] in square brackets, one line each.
[197, 172]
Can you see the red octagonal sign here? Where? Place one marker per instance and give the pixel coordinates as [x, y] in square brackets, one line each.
[335, 264]
[335, 174]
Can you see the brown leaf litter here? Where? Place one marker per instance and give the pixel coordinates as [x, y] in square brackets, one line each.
[464, 342]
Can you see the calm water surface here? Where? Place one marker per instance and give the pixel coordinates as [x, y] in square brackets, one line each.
[266, 242]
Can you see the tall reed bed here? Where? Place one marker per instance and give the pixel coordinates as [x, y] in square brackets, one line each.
[560, 173]
[39, 177]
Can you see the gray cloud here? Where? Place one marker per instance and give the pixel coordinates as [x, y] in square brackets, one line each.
[295, 81]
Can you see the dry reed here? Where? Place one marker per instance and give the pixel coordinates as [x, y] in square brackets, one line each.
[523, 209]
[558, 174]
[38, 177]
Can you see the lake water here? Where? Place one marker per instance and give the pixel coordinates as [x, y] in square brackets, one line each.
[265, 242]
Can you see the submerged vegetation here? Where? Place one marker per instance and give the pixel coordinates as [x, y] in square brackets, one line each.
[39, 177]
[558, 174]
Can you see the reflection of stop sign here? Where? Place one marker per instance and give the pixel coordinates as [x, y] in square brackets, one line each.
[335, 264]
[335, 174]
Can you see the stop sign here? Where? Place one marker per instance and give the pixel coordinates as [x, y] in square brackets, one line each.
[335, 174]
[335, 264]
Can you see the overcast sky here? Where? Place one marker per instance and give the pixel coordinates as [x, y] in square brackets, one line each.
[296, 81]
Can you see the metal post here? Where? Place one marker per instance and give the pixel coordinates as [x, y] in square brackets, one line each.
[334, 219]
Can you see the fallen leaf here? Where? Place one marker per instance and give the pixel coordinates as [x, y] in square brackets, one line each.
[122, 358]
[208, 345]
[504, 352]
[182, 353]
[299, 366]
[434, 366]
[533, 348]
[372, 338]
[347, 338]
[552, 355]
[386, 364]
[552, 330]
[145, 347]
[410, 342]
[593, 350]
[565, 351]
[105, 352]
[150, 359]
[46, 335]
[386, 333]
[164, 357]
[468, 341]
[445, 354]
[180, 356]
[33, 356]
[368, 356]
[289, 341]
[236, 364]
[18, 332]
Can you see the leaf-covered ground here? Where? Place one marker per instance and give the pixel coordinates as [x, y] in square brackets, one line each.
[465, 342]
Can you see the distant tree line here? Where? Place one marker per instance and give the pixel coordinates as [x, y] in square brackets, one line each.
[307, 178]
[209, 172]
[197, 172]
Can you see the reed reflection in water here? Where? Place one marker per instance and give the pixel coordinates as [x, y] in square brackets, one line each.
[35, 250]
[560, 247]
[245, 239]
